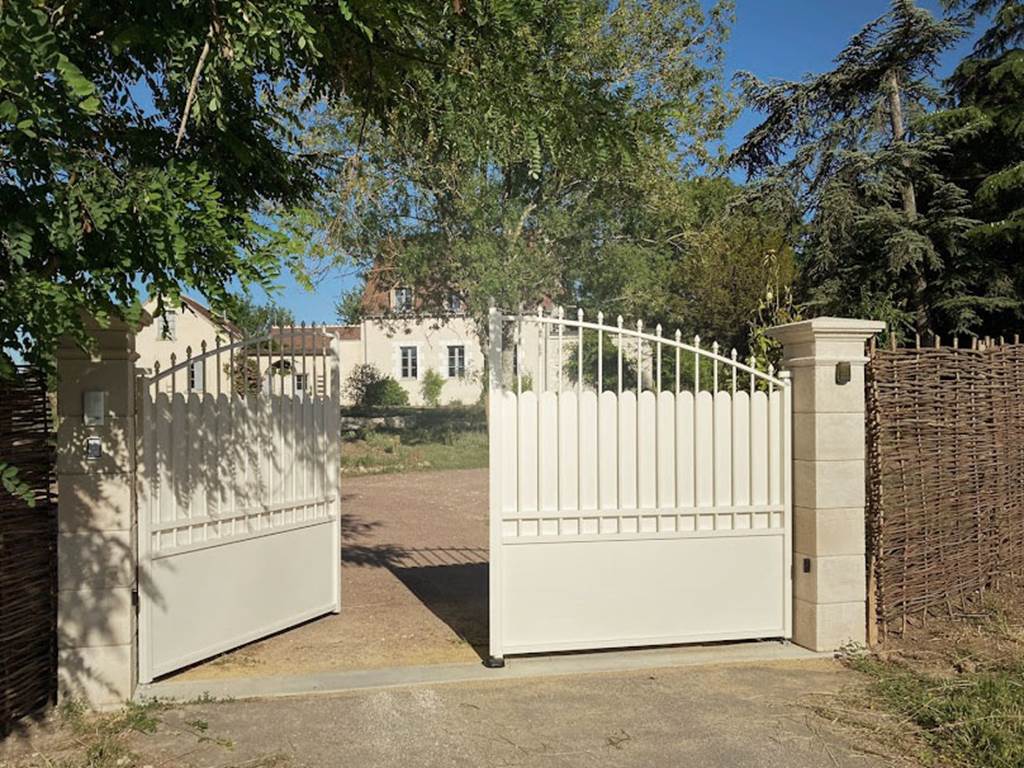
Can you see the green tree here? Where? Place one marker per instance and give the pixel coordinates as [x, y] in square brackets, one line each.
[984, 125]
[257, 319]
[1005, 32]
[619, 101]
[158, 144]
[350, 305]
[700, 261]
[885, 234]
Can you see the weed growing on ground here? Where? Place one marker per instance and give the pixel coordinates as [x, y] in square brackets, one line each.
[952, 694]
[208, 698]
[103, 738]
[972, 719]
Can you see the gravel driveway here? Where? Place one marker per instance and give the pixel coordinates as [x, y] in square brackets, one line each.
[742, 716]
[414, 582]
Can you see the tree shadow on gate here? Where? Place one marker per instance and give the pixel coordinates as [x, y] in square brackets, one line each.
[451, 582]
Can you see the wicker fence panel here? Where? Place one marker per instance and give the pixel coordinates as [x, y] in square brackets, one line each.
[945, 477]
[28, 549]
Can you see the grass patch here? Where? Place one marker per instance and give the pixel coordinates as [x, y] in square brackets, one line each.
[101, 740]
[410, 439]
[951, 693]
[411, 450]
[970, 719]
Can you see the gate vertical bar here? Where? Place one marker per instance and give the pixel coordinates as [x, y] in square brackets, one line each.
[495, 405]
[334, 456]
[787, 496]
[147, 487]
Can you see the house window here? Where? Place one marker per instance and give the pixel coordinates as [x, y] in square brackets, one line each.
[403, 299]
[300, 383]
[409, 363]
[196, 376]
[454, 303]
[456, 362]
[167, 325]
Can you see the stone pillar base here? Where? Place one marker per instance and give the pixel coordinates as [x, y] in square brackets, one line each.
[96, 544]
[825, 357]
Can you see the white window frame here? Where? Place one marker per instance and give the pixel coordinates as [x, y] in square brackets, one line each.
[459, 374]
[301, 383]
[414, 348]
[454, 304]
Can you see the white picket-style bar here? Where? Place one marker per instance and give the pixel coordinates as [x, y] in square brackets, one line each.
[628, 512]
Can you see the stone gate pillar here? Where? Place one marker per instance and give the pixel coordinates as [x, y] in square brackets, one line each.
[96, 542]
[826, 358]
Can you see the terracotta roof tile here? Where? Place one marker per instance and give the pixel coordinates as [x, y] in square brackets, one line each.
[312, 339]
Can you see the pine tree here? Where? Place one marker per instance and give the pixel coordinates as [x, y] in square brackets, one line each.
[1004, 33]
[884, 228]
[984, 125]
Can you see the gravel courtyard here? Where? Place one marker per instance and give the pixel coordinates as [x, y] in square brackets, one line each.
[414, 583]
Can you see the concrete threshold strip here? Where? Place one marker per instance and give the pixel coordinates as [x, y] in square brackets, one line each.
[515, 669]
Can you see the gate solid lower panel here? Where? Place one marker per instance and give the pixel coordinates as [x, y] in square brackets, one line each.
[216, 597]
[631, 592]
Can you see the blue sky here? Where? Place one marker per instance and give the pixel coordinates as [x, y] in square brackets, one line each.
[771, 38]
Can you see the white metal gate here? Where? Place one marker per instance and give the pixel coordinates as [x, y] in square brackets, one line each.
[239, 531]
[640, 489]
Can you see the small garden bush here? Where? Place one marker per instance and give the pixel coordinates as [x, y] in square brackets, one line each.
[367, 387]
[431, 388]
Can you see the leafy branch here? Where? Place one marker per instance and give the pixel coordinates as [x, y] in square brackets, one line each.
[14, 486]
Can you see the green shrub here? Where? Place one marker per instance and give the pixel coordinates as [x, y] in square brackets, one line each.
[431, 388]
[367, 387]
[386, 393]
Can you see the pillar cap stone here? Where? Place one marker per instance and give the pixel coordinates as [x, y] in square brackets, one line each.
[826, 328]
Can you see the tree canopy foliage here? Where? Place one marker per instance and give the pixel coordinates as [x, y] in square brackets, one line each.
[884, 227]
[155, 144]
[254, 319]
[508, 149]
[623, 101]
[984, 125]
[905, 192]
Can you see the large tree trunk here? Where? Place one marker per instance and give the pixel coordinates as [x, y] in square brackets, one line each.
[922, 322]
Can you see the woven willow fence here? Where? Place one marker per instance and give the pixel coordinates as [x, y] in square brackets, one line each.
[28, 545]
[945, 477]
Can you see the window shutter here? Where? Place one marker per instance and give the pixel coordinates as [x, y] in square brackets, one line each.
[196, 376]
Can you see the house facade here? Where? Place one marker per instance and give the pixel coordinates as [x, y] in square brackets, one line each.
[401, 341]
[181, 331]
[396, 336]
[397, 340]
